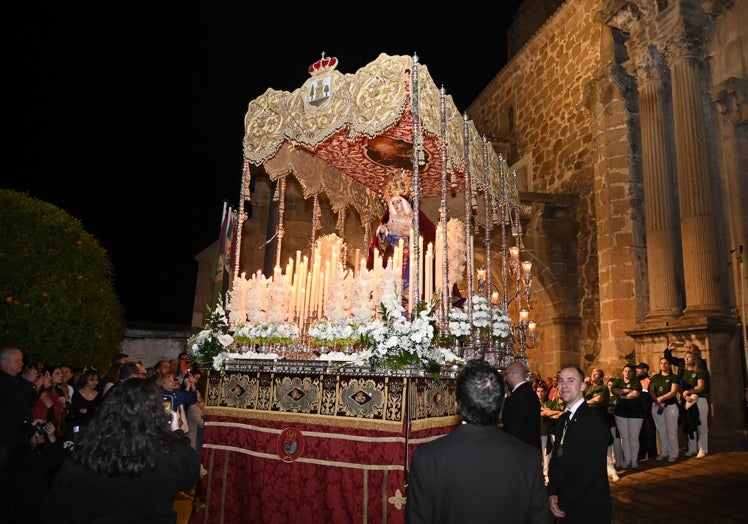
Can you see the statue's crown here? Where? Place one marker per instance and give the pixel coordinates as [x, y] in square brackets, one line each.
[397, 183]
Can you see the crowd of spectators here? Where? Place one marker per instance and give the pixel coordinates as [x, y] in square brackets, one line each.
[47, 411]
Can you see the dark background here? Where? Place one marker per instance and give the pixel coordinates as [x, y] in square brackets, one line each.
[131, 119]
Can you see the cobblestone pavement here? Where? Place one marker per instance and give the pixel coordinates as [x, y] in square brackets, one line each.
[711, 490]
[708, 490]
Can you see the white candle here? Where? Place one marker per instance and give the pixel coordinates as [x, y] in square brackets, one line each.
[320, 286]
[398, 265]
[428, 285]
[438, 257]
[323, 294]
[421, 273]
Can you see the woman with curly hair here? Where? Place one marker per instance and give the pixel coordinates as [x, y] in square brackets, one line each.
[127, 467]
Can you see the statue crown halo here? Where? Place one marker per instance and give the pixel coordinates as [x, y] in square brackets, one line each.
[397, 183]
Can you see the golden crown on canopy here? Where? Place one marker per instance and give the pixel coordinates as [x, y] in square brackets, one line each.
[397, 183]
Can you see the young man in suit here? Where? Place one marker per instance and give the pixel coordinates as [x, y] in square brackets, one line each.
[477, 473]
[521, 415]
[578, 488]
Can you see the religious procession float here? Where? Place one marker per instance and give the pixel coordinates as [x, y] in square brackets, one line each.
[384, 137]
[330, 370]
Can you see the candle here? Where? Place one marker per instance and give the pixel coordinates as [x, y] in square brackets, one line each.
[357, 262]
[428, 274]
[524, 316]
[324, 290]
[419, 267]
[526, 267]
[438, 276]
[532, 327]
[495, 298]
[320, 287]
[514, 252]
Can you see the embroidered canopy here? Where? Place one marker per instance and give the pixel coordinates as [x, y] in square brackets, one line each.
[344, 134]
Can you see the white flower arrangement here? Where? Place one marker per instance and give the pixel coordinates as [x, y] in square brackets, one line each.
[486, 319]
[269, 332]
[459, 324]
[393, 340]
[209, 346]
[340, 333]
[500, 329]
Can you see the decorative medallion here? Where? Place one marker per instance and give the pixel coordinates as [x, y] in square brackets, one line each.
[290, 444]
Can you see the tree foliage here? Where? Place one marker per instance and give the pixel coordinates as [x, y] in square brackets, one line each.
[56, 286]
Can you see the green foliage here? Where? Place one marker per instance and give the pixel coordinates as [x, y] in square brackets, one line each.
[58, 299]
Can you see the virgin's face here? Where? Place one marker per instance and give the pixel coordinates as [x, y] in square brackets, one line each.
[397, 205]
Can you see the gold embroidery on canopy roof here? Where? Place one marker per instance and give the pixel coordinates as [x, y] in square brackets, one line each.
[364, 111]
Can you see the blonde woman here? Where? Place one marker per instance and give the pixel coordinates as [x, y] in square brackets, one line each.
[695, 386]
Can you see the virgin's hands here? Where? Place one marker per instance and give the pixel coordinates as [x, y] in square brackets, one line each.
[555, 510]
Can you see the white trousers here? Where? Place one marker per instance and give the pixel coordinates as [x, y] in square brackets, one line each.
[629, 429]
[546, 456]
[667, 429]
[615, 452]
[702, 446]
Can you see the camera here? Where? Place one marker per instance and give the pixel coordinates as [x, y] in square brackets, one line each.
[39, 427]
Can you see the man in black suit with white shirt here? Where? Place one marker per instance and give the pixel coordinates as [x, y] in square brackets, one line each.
[521, 415]
[578, 480]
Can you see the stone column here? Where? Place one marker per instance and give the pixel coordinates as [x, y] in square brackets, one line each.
[664, 262]
[697, 218]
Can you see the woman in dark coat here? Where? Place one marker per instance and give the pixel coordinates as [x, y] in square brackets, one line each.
[128, 465]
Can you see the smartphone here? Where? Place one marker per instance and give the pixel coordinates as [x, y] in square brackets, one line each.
[168, 407]
[679, 343]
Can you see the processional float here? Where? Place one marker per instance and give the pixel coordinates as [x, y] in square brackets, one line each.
[349, 136]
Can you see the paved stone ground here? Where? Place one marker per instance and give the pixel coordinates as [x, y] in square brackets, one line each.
[710, 490]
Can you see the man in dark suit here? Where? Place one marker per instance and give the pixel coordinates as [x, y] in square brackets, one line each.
[476, 473]
[578, 488]
[521, 415]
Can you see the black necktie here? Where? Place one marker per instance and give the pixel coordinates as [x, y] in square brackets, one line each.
[566, 417]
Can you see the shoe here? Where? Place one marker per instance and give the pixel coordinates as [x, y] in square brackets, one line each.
[689, 453]
[546, 480]
[623, 465]
[701, 454]
[672, 459]
[661, 457]
[614, 477]
[634, 465]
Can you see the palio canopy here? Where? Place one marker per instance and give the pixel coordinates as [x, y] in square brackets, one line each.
[362, 126]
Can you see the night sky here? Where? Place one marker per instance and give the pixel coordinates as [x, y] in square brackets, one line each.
[131, 119]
